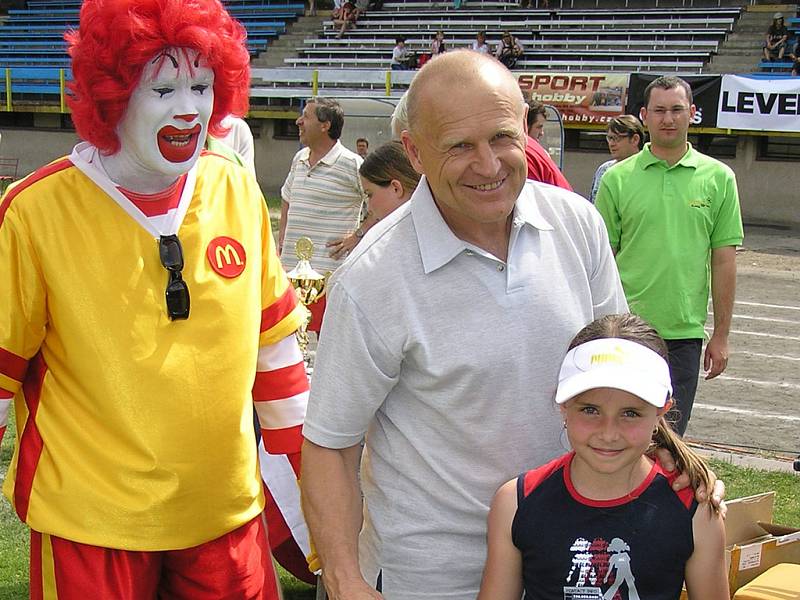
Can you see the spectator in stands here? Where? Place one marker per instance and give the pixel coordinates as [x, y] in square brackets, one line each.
[402, 58]
[322, 196]
[438, 45]
[673, 219]
[361, 7]
[388, 179]
[625, 137]
[362, 147]
[480, 45]
[776, 38]
[537, 117]
[348, 15]
[509, 50]
[794, 55]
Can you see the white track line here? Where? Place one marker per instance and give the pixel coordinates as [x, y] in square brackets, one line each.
[783, 306]
[768, 319]
[762, 355]
[794, 338]
[761, 382]
[743, 411]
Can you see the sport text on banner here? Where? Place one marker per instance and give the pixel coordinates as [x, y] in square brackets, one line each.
[586, 98]
[759, 104]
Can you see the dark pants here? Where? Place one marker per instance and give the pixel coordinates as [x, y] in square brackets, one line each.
[684, 369]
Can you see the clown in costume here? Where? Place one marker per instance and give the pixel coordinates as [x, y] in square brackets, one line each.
[147, 315]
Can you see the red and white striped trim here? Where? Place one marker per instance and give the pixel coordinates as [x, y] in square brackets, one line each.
[279, 355]
[281, 414]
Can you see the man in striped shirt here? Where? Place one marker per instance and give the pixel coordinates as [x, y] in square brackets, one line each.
[322, 196]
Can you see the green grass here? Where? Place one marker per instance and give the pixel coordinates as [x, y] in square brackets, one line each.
[274, 203]
[14, 537]
[743, 481]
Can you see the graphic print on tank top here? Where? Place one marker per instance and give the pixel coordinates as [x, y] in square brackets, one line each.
[600, 571]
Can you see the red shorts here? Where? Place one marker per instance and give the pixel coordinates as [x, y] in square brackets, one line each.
[237, 565]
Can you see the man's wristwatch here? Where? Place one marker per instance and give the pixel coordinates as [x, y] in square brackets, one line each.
[359, 233]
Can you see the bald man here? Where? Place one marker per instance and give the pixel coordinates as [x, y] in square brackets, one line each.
[442, 345]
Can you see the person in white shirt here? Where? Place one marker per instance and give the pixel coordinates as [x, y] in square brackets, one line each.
[401, 55]
[480, 45]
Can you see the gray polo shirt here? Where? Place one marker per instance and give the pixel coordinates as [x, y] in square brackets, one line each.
[447, 359]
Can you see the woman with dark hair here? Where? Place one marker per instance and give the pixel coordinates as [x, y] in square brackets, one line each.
[388, 179]
[777, 36]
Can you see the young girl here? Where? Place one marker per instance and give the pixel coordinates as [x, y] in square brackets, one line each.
[388, 179]
[602, 522]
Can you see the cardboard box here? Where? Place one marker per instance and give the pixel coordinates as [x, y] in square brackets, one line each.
[754, 542]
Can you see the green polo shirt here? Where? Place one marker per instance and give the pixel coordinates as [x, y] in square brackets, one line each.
[663, 222]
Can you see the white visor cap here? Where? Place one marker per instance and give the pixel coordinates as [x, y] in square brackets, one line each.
[615, 363]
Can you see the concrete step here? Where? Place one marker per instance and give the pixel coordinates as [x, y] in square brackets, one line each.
[750, 50]
[732, 67]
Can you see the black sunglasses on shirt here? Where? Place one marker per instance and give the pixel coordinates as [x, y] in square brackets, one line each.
[170, 252]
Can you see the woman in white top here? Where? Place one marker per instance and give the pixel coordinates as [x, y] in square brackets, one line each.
[480, 45]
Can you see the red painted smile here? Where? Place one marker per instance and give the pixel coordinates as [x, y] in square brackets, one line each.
[178, 145]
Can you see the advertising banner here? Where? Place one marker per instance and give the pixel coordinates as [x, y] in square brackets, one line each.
[581, 98]
[705, 91]
[759, 104]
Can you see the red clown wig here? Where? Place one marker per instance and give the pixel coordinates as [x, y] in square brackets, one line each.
[115, 40]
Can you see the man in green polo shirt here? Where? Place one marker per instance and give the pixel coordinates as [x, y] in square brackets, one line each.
[674, 222]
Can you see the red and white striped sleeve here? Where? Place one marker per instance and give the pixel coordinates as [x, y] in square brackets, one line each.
[5, 404]
[280, 394]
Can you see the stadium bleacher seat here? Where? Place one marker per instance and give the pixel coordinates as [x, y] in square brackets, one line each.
[655, 39]
[33, 51]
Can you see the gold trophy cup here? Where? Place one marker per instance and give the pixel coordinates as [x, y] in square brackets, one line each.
[309, 285]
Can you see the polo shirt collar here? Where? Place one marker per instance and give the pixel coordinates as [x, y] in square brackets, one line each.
[438, 245]
[526, 210]
[329, 158]
[689, 159]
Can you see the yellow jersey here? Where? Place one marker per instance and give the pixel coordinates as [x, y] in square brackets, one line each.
[134, 431]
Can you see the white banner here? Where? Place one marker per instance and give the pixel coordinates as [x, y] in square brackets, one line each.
[760, 104]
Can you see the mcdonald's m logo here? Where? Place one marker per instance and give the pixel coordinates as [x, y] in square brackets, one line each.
[226, 256]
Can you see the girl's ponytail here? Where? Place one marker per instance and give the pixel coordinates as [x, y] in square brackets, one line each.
[686, 460]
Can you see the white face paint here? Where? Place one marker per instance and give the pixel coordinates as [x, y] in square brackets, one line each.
[165, 124]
